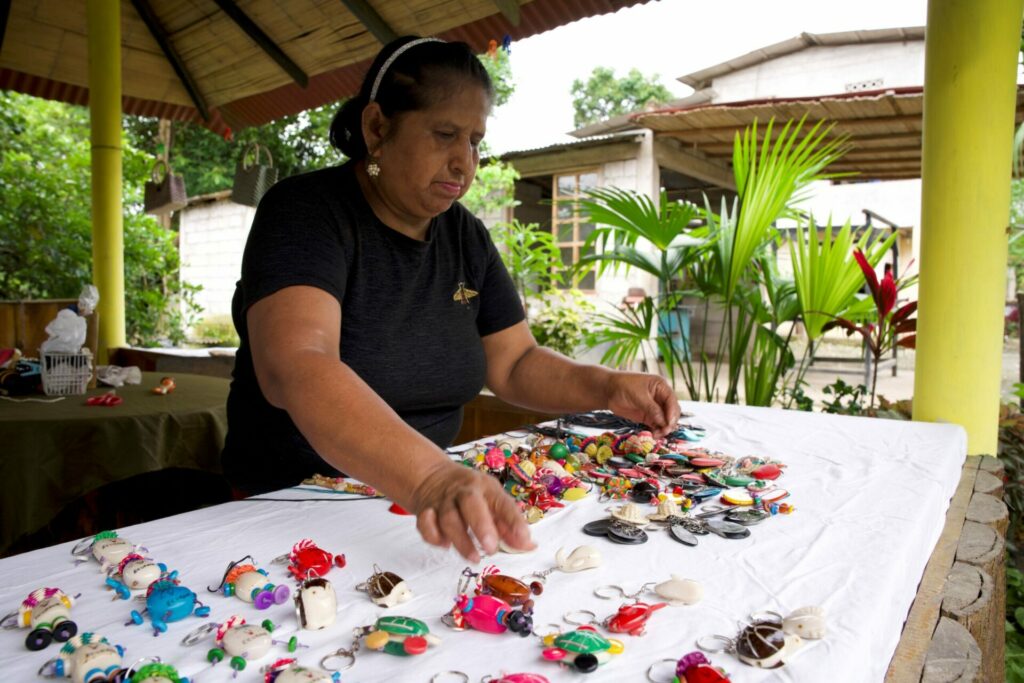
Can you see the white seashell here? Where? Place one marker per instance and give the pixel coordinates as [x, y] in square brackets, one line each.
[806, 622]
[680, 591]
[583, 557]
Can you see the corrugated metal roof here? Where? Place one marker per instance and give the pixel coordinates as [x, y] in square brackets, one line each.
[883, 127]
[699, 80]
[593, 141]
[44, 51]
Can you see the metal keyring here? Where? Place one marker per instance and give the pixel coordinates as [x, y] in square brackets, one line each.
[82, 546]
[568, 618]
[766, 615]
[9, 621]
[198, 634]
[448, 620]
[557, 631]
[707, 643]
[48, 669]
[340, 653]
[610, 592]
[660, 663]
[134, 667]
[455, 675]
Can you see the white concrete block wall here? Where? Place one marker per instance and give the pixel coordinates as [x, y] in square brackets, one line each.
[211, 240]
[825, 70]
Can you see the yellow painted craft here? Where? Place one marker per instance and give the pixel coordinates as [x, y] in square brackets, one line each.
[737, 496]
[575, 493]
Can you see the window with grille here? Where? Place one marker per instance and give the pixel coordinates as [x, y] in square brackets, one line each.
[569, 228]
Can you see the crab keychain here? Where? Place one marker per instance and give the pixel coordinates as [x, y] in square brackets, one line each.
[239, 641]
[47, 611]
[86, 658]
[168, 601]
[288, 671]
[690, 668]
[106, 547]
[307, 559]
[762, 644]
[385, 588]
[250, 584]
[134, 573]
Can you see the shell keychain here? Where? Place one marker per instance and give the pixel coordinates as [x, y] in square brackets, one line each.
[250, 584]
[580, 559]
[239, 642]
[690, 668]
[676, 591]
[289, 671]
[47, 611]
[385, 588]
[399, 636]
[135, 573]
[86, 658]
[168, 601]
[106, 547]
[762, 644]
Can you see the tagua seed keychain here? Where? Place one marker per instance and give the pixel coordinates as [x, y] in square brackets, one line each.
[307, 559]
[393, 635]
[106, 547]
[289, 671]
[582, 649]
[385, 588]
[47, 612]
[135, 572]
[251, 584]
[768, 639]
[690, 668]
[86, 658]
[580, 559]
[631, 618]
[676, 591]
[487, 612]
[239, 642]
[168, 601]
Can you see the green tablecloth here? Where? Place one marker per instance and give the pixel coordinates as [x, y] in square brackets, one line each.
[53, 453]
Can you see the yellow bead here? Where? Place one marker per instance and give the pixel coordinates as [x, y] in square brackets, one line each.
[617, 646]
[569, 468]
[575, 493]
[377, 640]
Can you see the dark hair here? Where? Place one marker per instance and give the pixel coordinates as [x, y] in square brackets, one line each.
[421, 77]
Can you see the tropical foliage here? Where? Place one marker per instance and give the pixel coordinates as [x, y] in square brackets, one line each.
[603, 95]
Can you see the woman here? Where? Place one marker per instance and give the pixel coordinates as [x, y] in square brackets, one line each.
[372, 306]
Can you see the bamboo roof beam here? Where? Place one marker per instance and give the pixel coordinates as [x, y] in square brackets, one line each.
[368, 17]
[264, 41]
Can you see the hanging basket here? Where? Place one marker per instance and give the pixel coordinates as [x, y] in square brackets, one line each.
[166, 194]
[252, 180]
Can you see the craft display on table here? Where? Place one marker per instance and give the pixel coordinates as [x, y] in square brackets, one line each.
[582, 649]
[86, 658]
[239, 642]
[385, 588]
[289, 671]
[690, 668]
[251, 584]
[47, 612]
[168, 601]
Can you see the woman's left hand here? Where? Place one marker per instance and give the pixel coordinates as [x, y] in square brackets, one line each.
[644, 398]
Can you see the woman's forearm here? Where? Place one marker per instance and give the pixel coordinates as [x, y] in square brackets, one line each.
[547, 381]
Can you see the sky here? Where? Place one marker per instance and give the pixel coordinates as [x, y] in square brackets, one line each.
[669, 38]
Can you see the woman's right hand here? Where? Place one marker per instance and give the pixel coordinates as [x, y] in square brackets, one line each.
[454, 500]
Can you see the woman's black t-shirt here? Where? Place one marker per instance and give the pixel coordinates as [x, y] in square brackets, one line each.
[404, 330]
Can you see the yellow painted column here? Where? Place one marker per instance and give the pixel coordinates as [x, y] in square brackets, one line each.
[104, 37]
[970, 84]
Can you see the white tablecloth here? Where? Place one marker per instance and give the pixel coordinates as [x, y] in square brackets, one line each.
[870, 499]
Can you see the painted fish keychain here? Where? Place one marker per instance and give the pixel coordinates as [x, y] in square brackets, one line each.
[251, 584]
[487, 613]
[630, 618]
[47, 611]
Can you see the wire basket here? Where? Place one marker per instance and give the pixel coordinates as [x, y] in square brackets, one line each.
[66, 374]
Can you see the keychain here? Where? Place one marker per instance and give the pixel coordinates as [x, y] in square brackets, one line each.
[47, 611]
[106, 547]
[134, 573]
[154, 672]
[675, 591]
[513, 591]
[308, 559]
[251, 584]
[86, 658]
[316, 604]
[239, 641]
[515, 678]
[582, 649]
[581, 558]
[288, 671]
[399, 636]
[762, 643]
[385, 588]
[630, 618]
[691, 668]
[168, 601]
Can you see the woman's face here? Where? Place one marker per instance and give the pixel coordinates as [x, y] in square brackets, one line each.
[428, 158]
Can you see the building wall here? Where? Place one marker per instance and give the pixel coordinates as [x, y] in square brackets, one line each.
[211, 239]
[826, 70]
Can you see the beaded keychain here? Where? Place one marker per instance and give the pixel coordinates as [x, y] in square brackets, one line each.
[47, 611]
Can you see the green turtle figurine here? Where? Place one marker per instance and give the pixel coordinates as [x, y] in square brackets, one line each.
[587, 648]
[402, 636]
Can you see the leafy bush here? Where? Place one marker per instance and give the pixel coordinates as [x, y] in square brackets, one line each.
[562, 320]
[45, 199]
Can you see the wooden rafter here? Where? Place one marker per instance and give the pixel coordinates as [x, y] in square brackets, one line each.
[264, 41]
[369, 18]
[509, 9]
[163, 40]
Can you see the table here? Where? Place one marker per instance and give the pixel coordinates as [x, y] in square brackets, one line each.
[52, 453]
[870, 499]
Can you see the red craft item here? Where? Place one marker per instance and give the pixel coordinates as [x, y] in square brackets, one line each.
[705, 673]
[706, 462]
[632, 618]
[109, 399]
[767, 472]
[398, 509]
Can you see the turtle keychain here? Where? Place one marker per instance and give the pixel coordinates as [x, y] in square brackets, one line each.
[394, 635]
[583, 649]
[762, 643]
[385, 588]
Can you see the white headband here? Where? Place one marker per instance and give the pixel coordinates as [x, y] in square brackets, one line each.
[391, 60]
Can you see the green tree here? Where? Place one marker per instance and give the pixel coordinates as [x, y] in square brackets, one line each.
[603, 95]
[45, 199]
[499, 67]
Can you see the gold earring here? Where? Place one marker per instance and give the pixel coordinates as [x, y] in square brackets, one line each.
[372, 168]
